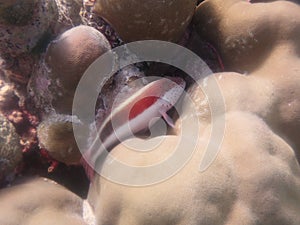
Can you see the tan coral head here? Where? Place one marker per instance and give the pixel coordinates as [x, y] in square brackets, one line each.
[137, 20]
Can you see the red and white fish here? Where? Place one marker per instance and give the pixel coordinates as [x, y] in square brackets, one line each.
[133, 115]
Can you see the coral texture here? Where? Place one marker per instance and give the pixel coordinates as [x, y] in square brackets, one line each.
[139, 20]
[23, 24]
[266, 47]
[19, 36]
[68, 57]
[255, 178]
[55, 134]
[8, 98]
[27, 26]
[10, 149]
[39, 201]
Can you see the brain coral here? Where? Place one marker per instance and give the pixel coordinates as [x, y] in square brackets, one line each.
[69, 56]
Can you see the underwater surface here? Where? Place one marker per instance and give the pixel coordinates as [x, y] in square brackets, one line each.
[170, 112]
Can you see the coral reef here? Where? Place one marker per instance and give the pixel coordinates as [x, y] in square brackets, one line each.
[255, 178]
[26, 27]
[23, 24]
[54, 83]
[19, 35]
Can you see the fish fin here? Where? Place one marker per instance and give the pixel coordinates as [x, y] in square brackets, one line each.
[167, 118]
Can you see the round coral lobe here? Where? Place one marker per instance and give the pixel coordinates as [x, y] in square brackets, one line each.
[73, 51]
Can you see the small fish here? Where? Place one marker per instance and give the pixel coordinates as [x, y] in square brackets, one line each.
[133, 115]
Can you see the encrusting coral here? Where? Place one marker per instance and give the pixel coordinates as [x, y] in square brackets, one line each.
[17, 12]
[10, 149]
[23, 24]
[25, 29]
[22, 30]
